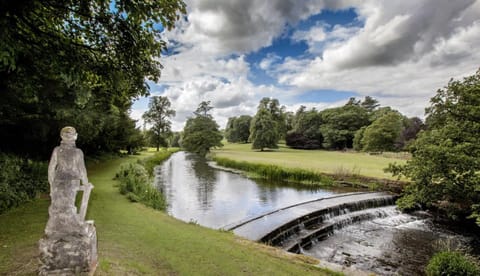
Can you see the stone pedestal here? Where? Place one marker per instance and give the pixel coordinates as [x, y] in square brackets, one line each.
[70, 254]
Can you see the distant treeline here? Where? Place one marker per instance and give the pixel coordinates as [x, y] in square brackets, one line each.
[361, 125]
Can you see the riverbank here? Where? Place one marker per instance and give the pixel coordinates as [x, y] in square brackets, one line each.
[134, 239]
[314, 167]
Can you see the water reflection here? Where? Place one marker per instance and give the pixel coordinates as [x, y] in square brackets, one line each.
[214, 198]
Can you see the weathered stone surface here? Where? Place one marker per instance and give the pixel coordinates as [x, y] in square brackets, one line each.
[69, 246]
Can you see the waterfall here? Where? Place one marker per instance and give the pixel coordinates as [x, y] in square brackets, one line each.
[305, 231]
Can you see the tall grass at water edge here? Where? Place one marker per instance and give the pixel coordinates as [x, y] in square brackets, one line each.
[276, 173]
[136, 180]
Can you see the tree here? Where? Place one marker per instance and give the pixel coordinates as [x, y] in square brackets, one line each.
[158, 115]
[383, 133]
[358, 139]
[263, 130]
[306, 130]
[238, 129]
[340, 124]
[409, 133]
[278, 115]
[445, 163]
[201, 132]
[370, 104]
[76, 63]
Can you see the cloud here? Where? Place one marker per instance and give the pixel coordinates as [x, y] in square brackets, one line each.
[404, 52]
[228, 98]
[399, 52]
[226, 27]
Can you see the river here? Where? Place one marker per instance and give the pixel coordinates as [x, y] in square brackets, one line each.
[397, 244]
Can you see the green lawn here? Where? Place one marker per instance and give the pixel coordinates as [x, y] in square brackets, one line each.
[136, 240]
[330, 162]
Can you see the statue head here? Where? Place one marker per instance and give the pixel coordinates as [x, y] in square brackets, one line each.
[68, 134]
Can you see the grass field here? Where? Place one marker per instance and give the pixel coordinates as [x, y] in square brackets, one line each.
[136, 240]
[329, 162]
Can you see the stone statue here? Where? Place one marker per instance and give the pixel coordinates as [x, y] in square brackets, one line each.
[69, 246]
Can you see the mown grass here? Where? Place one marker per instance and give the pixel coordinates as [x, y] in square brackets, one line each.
[317, 161]
[136, 240]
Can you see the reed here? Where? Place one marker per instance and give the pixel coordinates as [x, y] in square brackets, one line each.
[276, 173]
[151, 162]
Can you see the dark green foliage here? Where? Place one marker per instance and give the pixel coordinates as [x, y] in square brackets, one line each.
[158, 115]
[201, 132]
[451, 263]
[76, 63]
[340, 124]
[136, 180]
[299, 140]
[383, 133]
[306, 130]
[277, 113]
[446, 157]
[273, 172]
[263, 131]
[358, 139]
[409, 133]
[370, 104]
[21, 180]
[175, 139]
[238, 129]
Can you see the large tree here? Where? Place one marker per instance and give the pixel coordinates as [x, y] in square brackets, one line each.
[238, 129]
[340, 124]
[201, 132]
[306, 130]
[277, 113]
[445, 163]
[158, 115]
[263, 130]
[383, 133]
[78, 63]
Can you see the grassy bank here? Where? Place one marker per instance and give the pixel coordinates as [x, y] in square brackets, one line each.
[330, 162]
[274, 172]
[134, 239]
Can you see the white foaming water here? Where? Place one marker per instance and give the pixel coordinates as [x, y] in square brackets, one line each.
[391, 243]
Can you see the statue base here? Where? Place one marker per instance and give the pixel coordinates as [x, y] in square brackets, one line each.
[71, 254]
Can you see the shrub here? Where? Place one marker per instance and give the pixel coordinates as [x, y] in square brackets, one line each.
[136, 180]
[298, 140]
[136, 184]
[451, 263]
[21, 180]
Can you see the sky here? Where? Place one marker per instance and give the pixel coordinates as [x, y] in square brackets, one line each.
[314, 53]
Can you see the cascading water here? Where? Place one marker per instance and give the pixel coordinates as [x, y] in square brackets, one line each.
[391, 244]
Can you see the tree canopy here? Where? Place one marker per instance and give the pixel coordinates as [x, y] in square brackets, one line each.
[306, 132]
[238, 129]
[446, 157]
[201, 132]
[158, 115]
[340, 124]
[263, 130]
[76, 63]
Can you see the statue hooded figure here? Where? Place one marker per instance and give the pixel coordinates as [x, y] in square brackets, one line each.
[69, 244]
[65, 171]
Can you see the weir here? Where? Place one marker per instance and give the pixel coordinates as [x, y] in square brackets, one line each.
[298, 226]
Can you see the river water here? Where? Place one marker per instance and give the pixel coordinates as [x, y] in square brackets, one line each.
[399, 244]
[197, 192]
